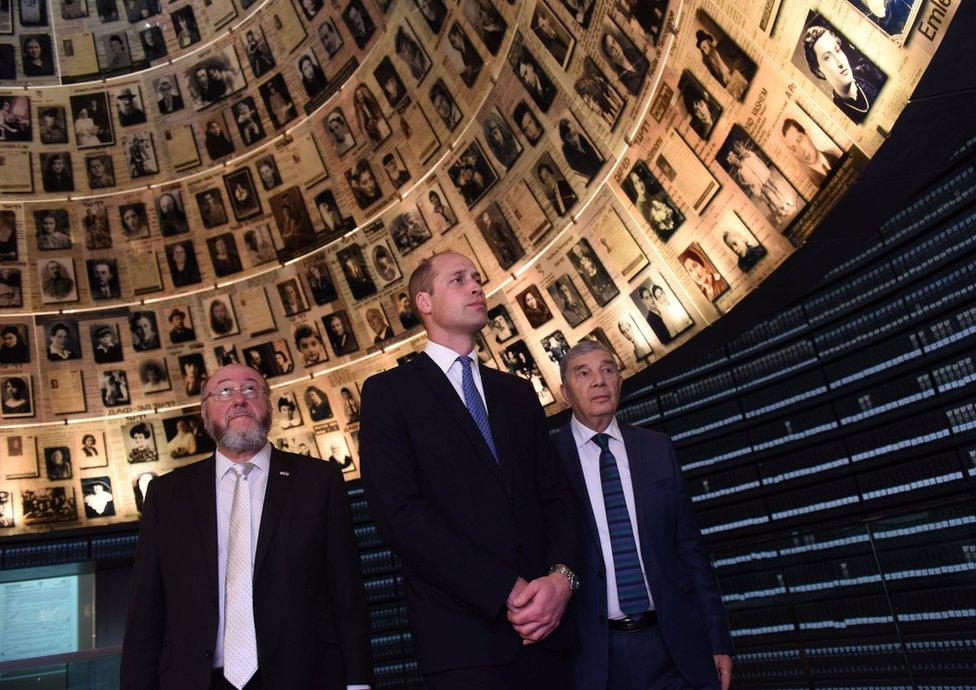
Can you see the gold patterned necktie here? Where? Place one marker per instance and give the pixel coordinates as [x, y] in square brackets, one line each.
[240, 642]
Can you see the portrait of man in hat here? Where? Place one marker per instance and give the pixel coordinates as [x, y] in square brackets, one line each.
[181, 329]
[129, 107]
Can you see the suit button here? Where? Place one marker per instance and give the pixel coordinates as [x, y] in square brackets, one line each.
[210, 654]
[603, 619]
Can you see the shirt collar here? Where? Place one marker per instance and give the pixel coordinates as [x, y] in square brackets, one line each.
[582, 434]
[445, 357]
[261, 460]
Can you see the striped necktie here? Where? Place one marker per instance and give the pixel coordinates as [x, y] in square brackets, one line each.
[475, 405]
[240, 640]
[631, 591]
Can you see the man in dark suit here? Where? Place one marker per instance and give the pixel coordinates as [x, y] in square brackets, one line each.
[652, 617]
[464, 484]
[247, 572]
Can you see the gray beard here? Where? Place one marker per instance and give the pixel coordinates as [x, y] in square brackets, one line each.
[251, 440]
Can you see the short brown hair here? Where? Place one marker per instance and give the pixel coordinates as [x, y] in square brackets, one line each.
[422, 278]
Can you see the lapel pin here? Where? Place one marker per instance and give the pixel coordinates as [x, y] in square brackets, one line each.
[284, 474]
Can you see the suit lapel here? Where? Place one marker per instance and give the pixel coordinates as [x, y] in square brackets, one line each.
[638, 468]
[498, 420]
[570, 455]
[281, 472]
[432, 375]
[204, 492]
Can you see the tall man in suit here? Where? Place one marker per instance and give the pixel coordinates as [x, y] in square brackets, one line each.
[652, 617]
[247, 573]
[464, 484]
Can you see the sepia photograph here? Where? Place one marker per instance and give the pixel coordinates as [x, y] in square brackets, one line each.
[56, 172]
[134, 221]
[180, 322]
[49, 504]
[292, 298]
[277, 101]
[354, 269]
[569, 301]
[14, 344]
[377, 325]
[154, 376]
[52, 229]
[145, 331]
[215, 77]
[703, 272]
[408, 50]
[579, 151]
[293, 222]
[592, 272]
[244, 201]
[488, 23]
[248, 121]
[553, 34]
[472, 174]
[659, 306]
[338, 329]
[171, 213]
[321, 286]
[499, 235]
[596, 92]
[57, 280]
[534, 306]
[309, 344]
[700, 108]
[186, 436]
[652, 202]
[531, 75]
[502, 143]
[722, 58]
[335, 223]
[362, 181]
[140, 442]
[624, 59]
[114, 388]
[181, 258]
[210, 204]
[409, 231]
[139, 154]
[16, 397]
[445, 105]
[103, 279]
[224, 256]
[194, 373]
[500, 324]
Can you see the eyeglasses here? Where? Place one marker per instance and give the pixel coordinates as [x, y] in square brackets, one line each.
[249, 391]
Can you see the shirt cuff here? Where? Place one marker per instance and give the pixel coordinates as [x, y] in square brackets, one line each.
[357, 687]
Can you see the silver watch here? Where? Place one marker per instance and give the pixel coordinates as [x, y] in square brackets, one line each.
[574, 581]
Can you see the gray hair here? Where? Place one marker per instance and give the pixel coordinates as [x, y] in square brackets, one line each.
[579, 349]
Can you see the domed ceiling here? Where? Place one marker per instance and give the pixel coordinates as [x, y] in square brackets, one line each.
[186, 184]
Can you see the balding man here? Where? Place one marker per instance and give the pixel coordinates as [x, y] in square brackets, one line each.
[652, 615]
[247, 573]
[464, 485]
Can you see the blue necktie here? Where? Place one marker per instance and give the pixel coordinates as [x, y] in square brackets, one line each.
[631, 591]
[475, 405]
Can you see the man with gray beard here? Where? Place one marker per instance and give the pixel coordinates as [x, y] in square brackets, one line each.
[246, 573]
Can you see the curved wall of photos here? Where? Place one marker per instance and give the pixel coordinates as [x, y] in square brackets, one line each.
[186, 184]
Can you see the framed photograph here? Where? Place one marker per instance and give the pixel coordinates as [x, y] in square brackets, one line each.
[369, 115]
[117, 55]
[101, 171]
[52, 229]
[353, 266]
[216, 137]
[593, 87]
[408, 49]
[33, 12]
[137, 10]
[181, 328]
[294, 223]
[135, 221]
[210, 204]
[377, 325]
[114, 388]
[289, 416]
[528, 123]
[396, 170]
[49, 504]
[292, 298]
[181, 258]
[268, 173]
[569, 301]
[14, 344]
[384, 264]
[330, 37]
[185, 26]
[97, 496]
[249, 127]
[362, 181]
[703, 272]
[16, 397]
[467, 63]
[258, 52]
[534, 306]
[154, 376]
[592, 272]
[436, 210]
[556, 346]
[169, 99]
[340, 135]
[502, 143]
[103, 279]
[555, 187]
[625, 60]
[553, 34]
[57, 174]
[499, 235]
[8, 236]
[277, 101]
[243, 196]
[392, 86]
[723, 60]
[57, 280]
[144, 330]
[520, 362]
[533, 78]
[15, 119]
[186, 437]
[358, 22]
[171, 213]
[140, 442]
[309, 344]
[62, 339]
[339, 331]
[215, 77]
[659, 306]
[472, 174]
[226, 354]
[487, 22]
[139, 153]
[500, 324]
[320, 283]
[652, 202]
[260, 245]
[580, 153]
[223, 255]
[37, 54]
[194, 372]
[335, 223]
[89, 448]
[816, 153]
[445, 105]
[409, 231]
[701, 109]
[53, 125]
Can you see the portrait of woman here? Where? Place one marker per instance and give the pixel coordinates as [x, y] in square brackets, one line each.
[216, 140]
[317, 403]
[409, 51]
[38, 58]
[703, 272]
[15, 400]
[313, 78]
[502, 143]
[182, 260]
[467, 61]
[62, 342]
[369, 117]
[624, 59]
[278, 101]
[57, 175]
[223, 255]
[169, 211]
[651, 201]
[533, 306]
[135, 223]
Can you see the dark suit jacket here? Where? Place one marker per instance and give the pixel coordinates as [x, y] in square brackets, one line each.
[686, 596]
[465, 526]
[309, 604]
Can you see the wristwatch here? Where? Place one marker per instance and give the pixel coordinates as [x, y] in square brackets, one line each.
[574, 581]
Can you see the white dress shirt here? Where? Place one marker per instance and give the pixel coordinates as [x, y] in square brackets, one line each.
[589, 454]
[257, 480]
[446, 359]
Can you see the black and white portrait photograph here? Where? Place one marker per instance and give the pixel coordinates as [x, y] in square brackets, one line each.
[294, 224]
[153, 46]
[292, 298]
[500, 324]
[502, 143]
[100, 170]
[652, 202]
[57, 280]
[659, 306]
[498, 233]
[221, 319]
[8, 236]
[641, 16]
[63, 340]
[472, 173]
[216, 137]
[445, 105]
[357, 275]
[181, 258]
[15, 118]
[488, 23]
[186, 436]
[210, 204]
[114, 388]
[171, 213]
[816, 154]
[569, 301]
[369, 116]
[410, 52]
[103, 278]
[520, 362]
[529, 72]
[139, 154]
[434, 12]
[437, 210]
[140, 486]
[268, 172]
[840, 70]
[467, 63]
[137, 10]
[891, 16]
[309, 344]
[169, 99]
[741, 243]
[723, 59]
[578, 149]
[248, 121]
[701, 110]
[89, 448]
[215, 77]
[194, 373]
[185, 25]
[349, 395]
[363, 183]
[32, 12]
[14, 345]
[52, 229]
[144, 330]
[310, 8]
[553, 34]
[631, 331]
[554, 185]
[534, 306]
[134, 221]
[271, 358]
[384, 264]
[408, 231]
[11, 287]
[320, 284]
[336, 224]
[359, 23]
[244, 201]
[277, 101]
[118, 58]
[37, 55]
[392, 86]
[48, 504]
[57, 463]
[260, 244]
[224, 256]
[16, 397]
[556, 346]
[405, 313]
[56, 172]
[329, 35]
[339, 331]
[317, 402]
[377, 325]
[258, 52]
[624, 59]
[53, 125]
[154, 376]
[140, 442]
[592, 272]
[288, 415]
[340, 135]
[759, 178]
[396, 169]
[599, 95]
[527, 122]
